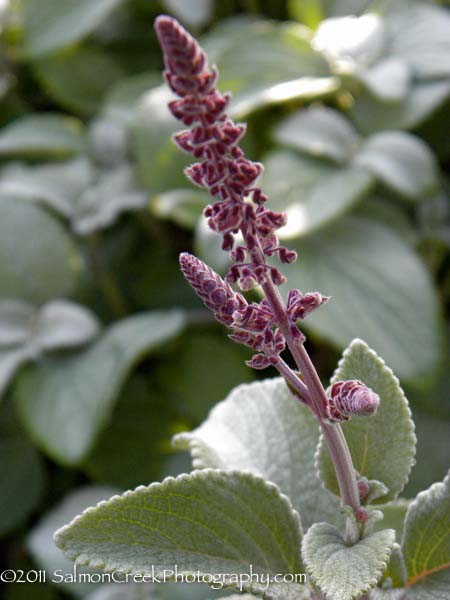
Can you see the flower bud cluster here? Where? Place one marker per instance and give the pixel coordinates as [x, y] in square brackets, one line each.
[224, 170]
[349, 398]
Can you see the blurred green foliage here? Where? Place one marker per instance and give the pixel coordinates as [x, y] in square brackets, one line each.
[104, 351]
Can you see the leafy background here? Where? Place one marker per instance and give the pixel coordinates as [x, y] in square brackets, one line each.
[104, 351]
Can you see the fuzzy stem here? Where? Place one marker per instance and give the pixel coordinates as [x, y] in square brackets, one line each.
[297, 384]
[333, 434]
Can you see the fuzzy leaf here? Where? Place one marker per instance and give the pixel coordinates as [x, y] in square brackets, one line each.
[42, 135]
[280, 448]
[383, 445]
[426, 541]
[379, 287]
[344, 572]
[175, 523]
[34, 242]
[65, 400]
[402, 161]
[319, 131]
[51, 24]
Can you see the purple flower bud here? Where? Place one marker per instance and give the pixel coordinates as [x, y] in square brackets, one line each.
[259, 361]
[361, 514]
[349, 398]
[363, 487]
[211, 288]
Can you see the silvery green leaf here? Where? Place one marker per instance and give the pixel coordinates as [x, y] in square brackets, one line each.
[350, 42]
[195, 13]
[108, 143]
[402, 161]
[78, 78]
[121, 100]
[42, 135]
[312, 192]
[63, 324]
[396, 569]
[184, 206]
[319, 131]
[56, 185]
[383, 445]
[21, 481]
[16, 319]
[419, 33]
[369, 270]
[46, 251]
[263, 62]
[344, 572]
[424, 98]
[280, 448]
[50, 24]
[40, 542]
[160, 162]
[389, 79]
[100, 205]
[175, 523]
[426, 542]
[10, 361]
[65, 400]
[394, 516]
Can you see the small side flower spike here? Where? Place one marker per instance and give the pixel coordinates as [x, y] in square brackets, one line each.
[349, 398]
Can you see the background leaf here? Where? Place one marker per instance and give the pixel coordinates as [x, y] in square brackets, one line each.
[40, 539]
[64, 401]
[319, 131]
[45, 249]
[383, 445]
[378, 288]
[402, 162]
[312, 192]
[51, 25]
[42, 135]
[426, 541]
[21, 481]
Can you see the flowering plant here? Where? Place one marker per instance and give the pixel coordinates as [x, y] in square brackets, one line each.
[259, 521]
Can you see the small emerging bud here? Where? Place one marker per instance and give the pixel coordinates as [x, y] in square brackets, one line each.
[349, 398]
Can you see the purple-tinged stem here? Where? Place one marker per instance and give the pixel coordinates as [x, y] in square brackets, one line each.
[294, 381]
[333, 434]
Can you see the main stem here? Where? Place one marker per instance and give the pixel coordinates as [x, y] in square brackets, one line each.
[333, 434]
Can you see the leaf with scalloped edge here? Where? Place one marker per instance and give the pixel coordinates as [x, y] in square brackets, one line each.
[209, 521]
[426, 542]
[383, 445]
[261, 427]
[344, 572]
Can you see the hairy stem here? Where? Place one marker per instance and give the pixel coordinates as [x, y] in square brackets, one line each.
[333, 434]
[292, 378]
